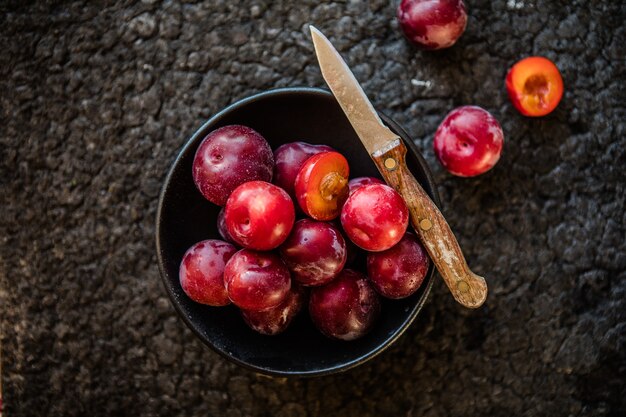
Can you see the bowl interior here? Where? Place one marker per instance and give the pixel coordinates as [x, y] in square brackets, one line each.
[185, 217]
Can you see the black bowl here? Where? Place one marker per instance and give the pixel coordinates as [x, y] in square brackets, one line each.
[184, 217]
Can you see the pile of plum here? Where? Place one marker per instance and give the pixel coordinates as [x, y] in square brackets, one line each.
[284, 247]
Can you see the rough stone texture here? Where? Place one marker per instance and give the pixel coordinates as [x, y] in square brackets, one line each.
[96, 100]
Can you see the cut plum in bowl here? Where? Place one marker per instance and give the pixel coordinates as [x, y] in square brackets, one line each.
[185, 217]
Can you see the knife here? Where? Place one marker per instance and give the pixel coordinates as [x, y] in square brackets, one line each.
[388, 152]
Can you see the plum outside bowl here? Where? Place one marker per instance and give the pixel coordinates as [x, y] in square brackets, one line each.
[184, 217]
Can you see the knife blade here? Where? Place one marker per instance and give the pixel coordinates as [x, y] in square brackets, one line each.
[388, 152]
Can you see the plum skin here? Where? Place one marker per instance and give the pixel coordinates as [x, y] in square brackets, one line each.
[256, 280]
[432, 24]
[399, 271]
[289, 158]
[345, 308]
[201, 272]
[469, 141]
[259, 215]
[358, 182]
[221, 227]
[375, 217]
[229, 156]
[315, 252]
[276, 320]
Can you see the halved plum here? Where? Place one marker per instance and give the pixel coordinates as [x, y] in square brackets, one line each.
[535, 86]
[322, 185]
[289, 158]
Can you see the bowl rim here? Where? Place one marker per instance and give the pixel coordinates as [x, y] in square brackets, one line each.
[345, 366]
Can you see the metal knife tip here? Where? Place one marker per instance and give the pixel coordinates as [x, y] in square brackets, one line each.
[316, 32]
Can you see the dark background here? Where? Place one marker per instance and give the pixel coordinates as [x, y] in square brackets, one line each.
[98, 97]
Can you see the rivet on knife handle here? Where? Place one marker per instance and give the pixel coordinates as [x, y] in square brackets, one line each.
[467, 288]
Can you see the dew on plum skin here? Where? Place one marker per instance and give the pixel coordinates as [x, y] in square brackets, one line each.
[468, 142]
[399, 271]
[432, 24]
[346, 308]
[315, 252]
[256, 280]
[201, 272]
[259, 215]
[277, 319]
[375, 217]
[228, 157]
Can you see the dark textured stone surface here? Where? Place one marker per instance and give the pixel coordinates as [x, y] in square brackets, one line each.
[96, 99]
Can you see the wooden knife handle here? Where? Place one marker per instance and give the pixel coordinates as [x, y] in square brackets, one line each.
[467, 288]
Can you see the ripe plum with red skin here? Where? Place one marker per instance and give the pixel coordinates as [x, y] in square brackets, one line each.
[375, 217]
[229, 156]
[288, 160]
[201, 272]
[221, 227]
[276, 320]
[432, 24]
[469, 141]
[259, 215]
[358, 182]
[256, 280]
[400, 270]
[345, 308]
[315, 252]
